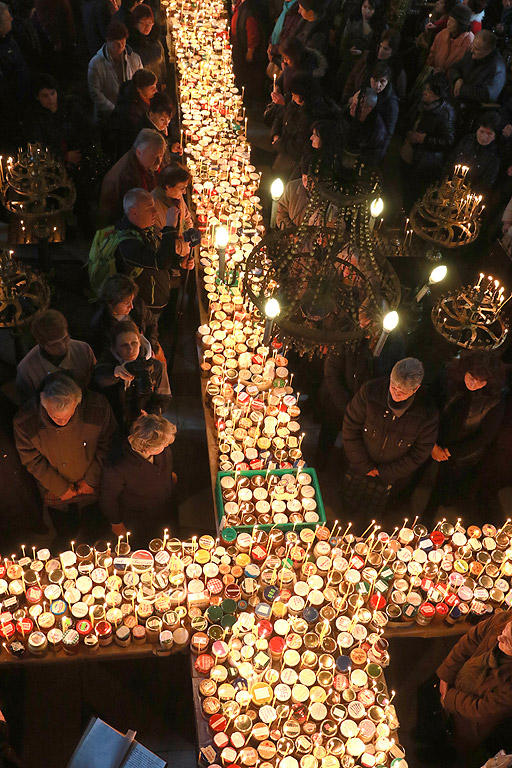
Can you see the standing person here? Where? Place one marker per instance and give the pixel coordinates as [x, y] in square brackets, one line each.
[162, 117]
[55, 350]
[133, 382]
[364, 133]
[132, 106]
[357, 38]
[476, 684]
[170, 191]
[96, 16]
[14, 80]
[145, 41]
[119, 300]
[138, 485]
[428, 141]
[113, 64]
[387, 54]
[480, 75]
[136, 169]
[248, 41]
[479, 151]
[471, 395]
[389, 429]
[345, 371]
[284, 29]
[62, 437]
[313, 30]
[451, 44]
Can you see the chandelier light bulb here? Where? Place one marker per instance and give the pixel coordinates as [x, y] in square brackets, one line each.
[221, 237]
[277, 189]
[376, 207]
[438, 273]
[390, 321]
[272, 308]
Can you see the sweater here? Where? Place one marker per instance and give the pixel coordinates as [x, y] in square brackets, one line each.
[34, 367]
[447, 50]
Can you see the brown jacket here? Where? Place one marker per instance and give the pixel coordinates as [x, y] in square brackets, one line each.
[479, 693]
[35, 367]
[126, 174]
[60, 456]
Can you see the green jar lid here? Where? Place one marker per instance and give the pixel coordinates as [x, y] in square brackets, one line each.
[373, 671]
[228, 605]
[214, 614]
[199, 623]
[228, 535]
[227, 621]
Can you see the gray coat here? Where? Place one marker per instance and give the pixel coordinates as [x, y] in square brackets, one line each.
[483, 78]
[103, 81]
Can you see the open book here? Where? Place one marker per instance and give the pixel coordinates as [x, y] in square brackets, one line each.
[103, 747]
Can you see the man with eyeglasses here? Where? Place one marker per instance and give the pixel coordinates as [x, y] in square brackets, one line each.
[54, 350]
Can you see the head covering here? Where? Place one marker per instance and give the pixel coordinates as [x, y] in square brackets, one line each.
[462, 15]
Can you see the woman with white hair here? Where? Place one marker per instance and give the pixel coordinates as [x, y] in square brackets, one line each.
[138, 485]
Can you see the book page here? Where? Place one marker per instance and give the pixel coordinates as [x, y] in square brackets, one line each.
[100, 747]
[140, 757]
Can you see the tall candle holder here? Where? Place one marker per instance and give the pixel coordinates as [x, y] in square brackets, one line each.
[36, 190]
[472, 317]
[448, 214]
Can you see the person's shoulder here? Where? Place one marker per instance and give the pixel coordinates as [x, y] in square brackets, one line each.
[29, 358]
[81, 347]
[27, 417]
[95, 408]
[424, 401]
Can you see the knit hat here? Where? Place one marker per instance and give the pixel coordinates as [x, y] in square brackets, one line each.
[462, 15]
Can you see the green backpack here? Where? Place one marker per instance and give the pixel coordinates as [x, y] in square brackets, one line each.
[102, 256]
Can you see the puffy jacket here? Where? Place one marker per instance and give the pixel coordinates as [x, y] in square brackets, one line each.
[483, 78]
[447, 50]
[438, 123]
[373, 436]
[103, 81]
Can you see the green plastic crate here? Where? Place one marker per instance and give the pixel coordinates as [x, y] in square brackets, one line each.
[219, 503]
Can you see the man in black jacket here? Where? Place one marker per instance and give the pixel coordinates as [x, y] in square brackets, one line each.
[390, 428]
[479, 151]
[365, 134]
[145, 258]
[480, 75]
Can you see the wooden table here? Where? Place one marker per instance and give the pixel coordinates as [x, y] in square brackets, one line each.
[111, 652]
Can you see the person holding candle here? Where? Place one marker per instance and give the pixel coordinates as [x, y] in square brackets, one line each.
[389, 430]
[55, 350]
[475, 685]
[62, 437]
[366, 22]
[470, 393]
[133, 381]
[284, 29]
[138, 490]
[451, 44]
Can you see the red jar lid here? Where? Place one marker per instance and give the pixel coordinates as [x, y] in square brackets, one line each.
[340, 682]
[259, 553]
[214, 586]
[451, 600]
[34, 595]
[84, 627]
[377, 602]
[437, 539]
[277, 645]
[426, 584]
[7, 630]
[24, 626]
[218, 722]
[284, 595]
[322, 533]
[265, 628]
[427, 610]
[204, 663]
[103, 628]
[366, 697]
[221, 740]
[442, 609]
[2, 571]
[256, 464]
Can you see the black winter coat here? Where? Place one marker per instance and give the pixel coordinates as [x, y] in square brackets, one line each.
[61, 131]
[368, 138]
[314, 34]
[293, 125]
[137, 492]
[103, 322]
[374, 437]
[148, 263]
[438, 123]
[483, 78]
[96, 16]
[124, 121]
[468, 421]
[483, 162]
[387, 107]
[151, 52]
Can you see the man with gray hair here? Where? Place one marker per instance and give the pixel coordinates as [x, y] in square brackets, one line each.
[389, 430]
[137, 168]
[63, 437]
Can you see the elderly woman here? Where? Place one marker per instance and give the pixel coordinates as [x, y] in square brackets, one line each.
[476, 682]
[62, 437]
[170, 192]
[138, 488]
[119, 300]
[132, 380]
